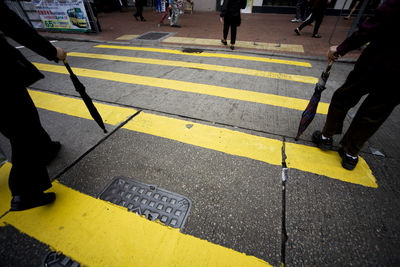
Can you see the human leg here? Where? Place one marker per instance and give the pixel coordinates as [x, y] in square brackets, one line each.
[372, 113]
[309, 20]
[226, 28]
[318, 20]
[29, 144]
[233, 34]
[344, 98]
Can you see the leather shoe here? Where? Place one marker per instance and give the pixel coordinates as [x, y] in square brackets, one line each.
[25, 202]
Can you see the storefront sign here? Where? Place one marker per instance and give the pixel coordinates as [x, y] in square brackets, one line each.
[66, 15]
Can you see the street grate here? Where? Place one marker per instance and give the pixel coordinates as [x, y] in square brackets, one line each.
[56, 259]
[154, 203]
[153, 36]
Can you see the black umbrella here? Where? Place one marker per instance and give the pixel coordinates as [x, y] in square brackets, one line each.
[309, 113]
[80, 88]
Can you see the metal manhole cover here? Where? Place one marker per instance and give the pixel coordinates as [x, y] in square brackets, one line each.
[153, 35]
[155, 203]
[192, 50]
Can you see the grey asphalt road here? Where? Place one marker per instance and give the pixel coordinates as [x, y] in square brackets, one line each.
[237, 201]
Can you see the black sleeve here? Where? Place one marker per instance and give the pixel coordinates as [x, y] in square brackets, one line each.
[16, 28]
[372, 28]
[224, 8]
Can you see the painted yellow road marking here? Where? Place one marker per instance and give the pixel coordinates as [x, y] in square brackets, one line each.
[76, 107]
[126, 37]
[5, 194]
[97, 233]
[202, 66]
[209, 55]
[243, 44]
[205, 89]
[301, 157]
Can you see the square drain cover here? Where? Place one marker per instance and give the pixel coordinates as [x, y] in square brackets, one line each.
[155, 203]
[152, 35]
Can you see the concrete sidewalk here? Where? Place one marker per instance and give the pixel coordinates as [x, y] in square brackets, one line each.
[276, 29]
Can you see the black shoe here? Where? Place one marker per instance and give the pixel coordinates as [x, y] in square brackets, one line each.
[297, 31]
[224, 42]
[19, 203]
[347, 162]
[136, 17]
[232, 47]
[324, 144]
[316, 36]
[176, 26]
[51, 152]
[142, 19]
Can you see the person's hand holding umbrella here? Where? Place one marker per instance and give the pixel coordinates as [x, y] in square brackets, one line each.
[333, 54]
[61, 54]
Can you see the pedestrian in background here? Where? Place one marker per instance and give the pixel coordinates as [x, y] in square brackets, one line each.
[375, 74]
[230, 18]
[317, 14]
[301, 11]
[31, 147]
[158, 6]
[139, 9]
[352, 10]
[174, 5]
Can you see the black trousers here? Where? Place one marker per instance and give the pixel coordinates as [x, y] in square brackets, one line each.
[139, 10]
[233, 23]
[316, 15]
[383, 97]
[20, 123]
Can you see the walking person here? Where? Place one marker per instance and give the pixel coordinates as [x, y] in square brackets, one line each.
[301, 11]
[32, 148]
[375, 74]
[352, 10]
[230, 18]
[317, 15]
[139, 9]
[174, 7]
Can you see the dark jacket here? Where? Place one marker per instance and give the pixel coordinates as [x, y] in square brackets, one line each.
[231, 8]
[382, 54]
[14, 66]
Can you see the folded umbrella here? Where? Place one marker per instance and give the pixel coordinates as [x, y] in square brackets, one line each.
[80, 88]
[309, 113]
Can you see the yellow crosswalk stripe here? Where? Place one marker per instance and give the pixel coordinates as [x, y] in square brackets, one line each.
[202, 66]
[5, 194]
[243, 44]
[209, 55]
[301, 157]
[205, 89]
[98, 233]
[75, 107]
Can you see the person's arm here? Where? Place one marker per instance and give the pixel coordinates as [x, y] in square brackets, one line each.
[224, 8]
[16, 28]
[370, 29]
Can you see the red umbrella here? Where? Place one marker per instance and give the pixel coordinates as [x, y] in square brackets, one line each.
[309, 113]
